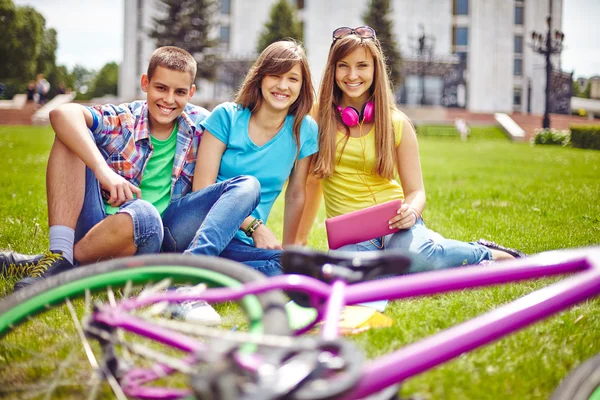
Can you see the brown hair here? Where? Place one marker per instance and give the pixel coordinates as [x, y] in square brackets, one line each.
[278, 58]
[329, 119]
[173, 58]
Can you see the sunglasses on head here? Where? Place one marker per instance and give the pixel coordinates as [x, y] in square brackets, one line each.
[364, 32]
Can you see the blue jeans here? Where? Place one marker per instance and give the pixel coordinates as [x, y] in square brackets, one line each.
[147, 225]
[201, 222]
[266, 261]
[436, 251]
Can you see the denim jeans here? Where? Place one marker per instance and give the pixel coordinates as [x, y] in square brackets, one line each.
[201, 222]
[263, 260]
[205, 221]
[436, 251]
[147, 225]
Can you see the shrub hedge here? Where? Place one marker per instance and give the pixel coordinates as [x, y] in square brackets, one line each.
[585, 136]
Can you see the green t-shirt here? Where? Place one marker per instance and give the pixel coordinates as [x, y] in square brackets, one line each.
[156, 182]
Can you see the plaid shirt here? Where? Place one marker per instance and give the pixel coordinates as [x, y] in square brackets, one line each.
[123, 138]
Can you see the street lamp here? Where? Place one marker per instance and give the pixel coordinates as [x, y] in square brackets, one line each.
[546, 46]
[426, 44]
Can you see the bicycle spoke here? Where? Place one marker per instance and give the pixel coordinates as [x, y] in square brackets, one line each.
[90, 354]
[59, 371]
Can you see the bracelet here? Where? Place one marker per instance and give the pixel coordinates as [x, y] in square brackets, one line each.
[247, 230]
[253, 226]
[415, 212]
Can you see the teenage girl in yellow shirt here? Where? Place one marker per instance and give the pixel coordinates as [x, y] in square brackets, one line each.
[364, 140]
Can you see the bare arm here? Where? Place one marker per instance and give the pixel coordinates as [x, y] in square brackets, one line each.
[71, 123]
[411, 177]
[208, 162]
[295, 196]
[314, 194]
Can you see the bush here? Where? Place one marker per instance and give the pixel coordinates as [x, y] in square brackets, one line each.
[585, 136]
[551, 136]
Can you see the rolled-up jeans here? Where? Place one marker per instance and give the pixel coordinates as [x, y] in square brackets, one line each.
[436, 251]
[201, 222]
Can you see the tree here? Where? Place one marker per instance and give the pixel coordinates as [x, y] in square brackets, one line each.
[46, 59]
[20, 41]
[106, 81]
[188, 24]
[576, 89]
[282, 24]
[587, 93]
[378, 17]
[59, 75]
[82, 78]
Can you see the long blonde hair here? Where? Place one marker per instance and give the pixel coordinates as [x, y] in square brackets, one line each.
[278, 58]
[329, 119]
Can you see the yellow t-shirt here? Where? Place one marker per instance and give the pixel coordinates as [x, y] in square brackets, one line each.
[353, 185]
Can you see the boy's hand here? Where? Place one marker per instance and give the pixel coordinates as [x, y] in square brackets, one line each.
[405, 219]
[265, 239]
[120, 189]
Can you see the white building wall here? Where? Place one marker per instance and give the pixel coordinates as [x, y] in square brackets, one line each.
[247, 21]
[127, 70]
[490, 57]
[490, 47]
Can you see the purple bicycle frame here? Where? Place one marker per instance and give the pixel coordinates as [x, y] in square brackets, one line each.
[419, 356]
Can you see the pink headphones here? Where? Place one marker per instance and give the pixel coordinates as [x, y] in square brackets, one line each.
[351, 117]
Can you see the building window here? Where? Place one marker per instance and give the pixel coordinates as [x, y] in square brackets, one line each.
[461, 7]
[224, 36]
[519, 15]
[460, 36]
[226, 7]
[517, 95]
[518, 44]
[518, 68]
[300, 4]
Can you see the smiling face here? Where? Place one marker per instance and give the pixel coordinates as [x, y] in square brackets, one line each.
[168, 92]
[354, 76]
[279, 92]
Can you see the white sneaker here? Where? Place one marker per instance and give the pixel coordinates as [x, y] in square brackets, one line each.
[198, 311]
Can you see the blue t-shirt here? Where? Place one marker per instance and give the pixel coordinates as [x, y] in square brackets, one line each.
[270, 163]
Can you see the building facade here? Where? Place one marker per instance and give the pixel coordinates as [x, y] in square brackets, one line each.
[478, 56]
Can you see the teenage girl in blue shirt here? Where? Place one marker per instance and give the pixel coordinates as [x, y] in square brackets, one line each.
[265, 132]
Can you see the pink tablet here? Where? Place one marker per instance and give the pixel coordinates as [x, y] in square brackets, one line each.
[358, 226]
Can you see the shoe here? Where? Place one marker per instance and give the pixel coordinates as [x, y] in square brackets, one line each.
[50, 264]
[197, 311]
[18, 265]
[493, 245]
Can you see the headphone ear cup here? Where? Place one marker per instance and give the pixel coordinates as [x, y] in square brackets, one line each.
[350, 116]
[368, 112]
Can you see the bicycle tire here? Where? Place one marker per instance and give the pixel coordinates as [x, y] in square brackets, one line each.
[583, 383]
[266, 312]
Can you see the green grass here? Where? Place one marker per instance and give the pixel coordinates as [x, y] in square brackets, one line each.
[450, 131]
[532, 198]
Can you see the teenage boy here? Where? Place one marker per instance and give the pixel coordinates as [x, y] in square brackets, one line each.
[120, 178]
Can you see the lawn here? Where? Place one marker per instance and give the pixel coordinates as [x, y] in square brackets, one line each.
[532, 198]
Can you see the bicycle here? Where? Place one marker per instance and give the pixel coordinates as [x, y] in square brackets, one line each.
[149, 357]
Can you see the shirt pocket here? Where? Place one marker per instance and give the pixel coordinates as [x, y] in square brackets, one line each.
[122, 165]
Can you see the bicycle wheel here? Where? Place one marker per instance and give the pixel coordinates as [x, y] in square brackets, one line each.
[583, 383]
[41, 342]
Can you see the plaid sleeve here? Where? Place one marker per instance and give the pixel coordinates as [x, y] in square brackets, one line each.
[197, 116]
[108, 122]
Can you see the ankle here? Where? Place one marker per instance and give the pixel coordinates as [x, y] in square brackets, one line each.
[500, 255]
